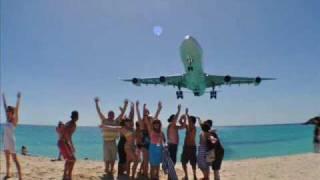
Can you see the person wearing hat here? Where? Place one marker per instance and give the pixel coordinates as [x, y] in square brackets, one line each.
[66, 146]
[316, 134]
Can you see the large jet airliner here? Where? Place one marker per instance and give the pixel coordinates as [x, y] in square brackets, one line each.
[194, 78]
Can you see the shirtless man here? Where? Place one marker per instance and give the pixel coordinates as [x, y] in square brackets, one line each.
[189, 153]
[173, 135]
[66, 146]
[110, 136]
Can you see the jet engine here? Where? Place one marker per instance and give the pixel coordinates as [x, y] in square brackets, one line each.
[227, 79]
[257, 80]
[162, 79]
[135, 81]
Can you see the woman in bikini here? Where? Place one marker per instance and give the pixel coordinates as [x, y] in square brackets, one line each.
[145, 140]
[130, 148]
[157, 139]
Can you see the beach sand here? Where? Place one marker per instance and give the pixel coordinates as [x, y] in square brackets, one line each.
[296, 167]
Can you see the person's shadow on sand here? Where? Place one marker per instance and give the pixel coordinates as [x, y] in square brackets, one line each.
[121, 177]
[107, 177]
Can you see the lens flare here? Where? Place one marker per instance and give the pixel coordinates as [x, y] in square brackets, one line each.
[157, 30]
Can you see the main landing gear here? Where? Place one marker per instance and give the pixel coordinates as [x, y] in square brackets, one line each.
[213, 93]
[179, 94]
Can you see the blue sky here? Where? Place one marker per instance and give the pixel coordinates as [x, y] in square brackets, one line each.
[62, 53]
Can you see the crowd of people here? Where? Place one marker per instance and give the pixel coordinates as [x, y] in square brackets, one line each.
[141, 142]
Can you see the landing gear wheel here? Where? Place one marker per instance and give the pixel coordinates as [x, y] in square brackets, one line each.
[213, 94]
[179, 94]
[190, 68]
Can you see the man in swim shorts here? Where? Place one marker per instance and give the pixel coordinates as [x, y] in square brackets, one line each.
[189, 152]
[66, 146]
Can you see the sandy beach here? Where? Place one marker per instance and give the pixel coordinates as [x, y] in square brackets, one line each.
[296, 167]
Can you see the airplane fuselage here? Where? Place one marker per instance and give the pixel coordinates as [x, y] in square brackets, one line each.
[191, 56]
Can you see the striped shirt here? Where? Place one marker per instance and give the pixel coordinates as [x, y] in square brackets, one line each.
[110, 134]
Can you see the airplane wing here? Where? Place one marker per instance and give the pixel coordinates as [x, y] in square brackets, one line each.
[162, 80]
[215, 80]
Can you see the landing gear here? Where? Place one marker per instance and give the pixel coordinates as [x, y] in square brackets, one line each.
[190, 68]
[213, 93]
[179, 94]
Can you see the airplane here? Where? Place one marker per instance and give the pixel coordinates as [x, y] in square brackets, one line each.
[194, 78]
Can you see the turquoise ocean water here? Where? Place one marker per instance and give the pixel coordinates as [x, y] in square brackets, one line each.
[240, 142]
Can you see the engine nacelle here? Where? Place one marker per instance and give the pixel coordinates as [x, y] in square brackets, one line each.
[227, 79]
[162, 79]
[135, 81]
[257, 81]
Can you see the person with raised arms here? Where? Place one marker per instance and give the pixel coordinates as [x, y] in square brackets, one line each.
[157, 140]
[130, 147]
[122, 163]
[110, 136]
[189, 152]
[145, 140]
[173, 134]
[9, 139]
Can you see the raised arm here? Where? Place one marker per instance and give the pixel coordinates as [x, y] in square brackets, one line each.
[131, 114]
[158, 110]
[102, 117]
[122, 110]
[5, 104]
[17, 108]
[188, 119]
[175, 119]
[138, 111]
[146, 120]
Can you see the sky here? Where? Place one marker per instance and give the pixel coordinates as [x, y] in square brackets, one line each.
[61, 54]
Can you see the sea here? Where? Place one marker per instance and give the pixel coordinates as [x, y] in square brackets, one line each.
[240, 142]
